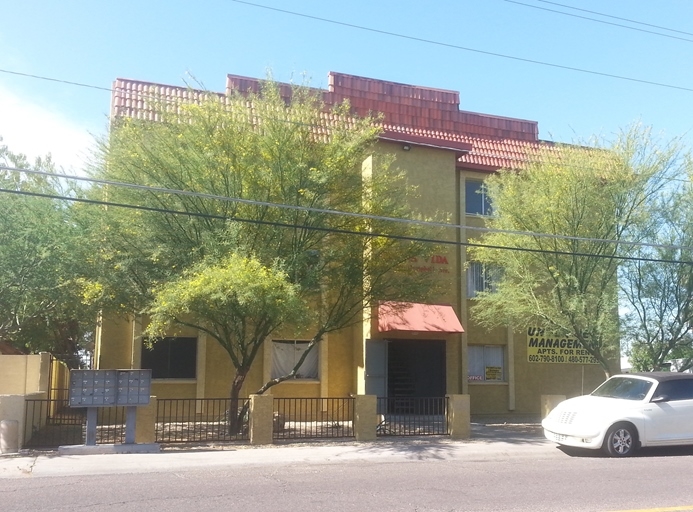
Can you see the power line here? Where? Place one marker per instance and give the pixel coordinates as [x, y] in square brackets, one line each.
[393, 34]
[338, 230]
[464, 48]
[49, 79]
[308, 209]
[617, 18]
[600, 21]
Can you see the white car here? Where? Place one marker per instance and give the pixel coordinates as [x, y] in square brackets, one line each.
[626, 412]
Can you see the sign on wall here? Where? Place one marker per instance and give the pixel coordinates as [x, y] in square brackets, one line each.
[543, 347]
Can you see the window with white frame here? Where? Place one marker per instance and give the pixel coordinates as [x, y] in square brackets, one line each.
[481, 278]
[287, 353]
[485, 363]
[476, 200]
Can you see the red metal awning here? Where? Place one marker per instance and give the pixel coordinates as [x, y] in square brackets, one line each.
[412, 316]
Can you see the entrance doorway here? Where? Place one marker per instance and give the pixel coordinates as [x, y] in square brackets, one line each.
[399, 368]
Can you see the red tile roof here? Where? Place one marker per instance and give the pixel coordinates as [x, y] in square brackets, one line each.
[413, 114]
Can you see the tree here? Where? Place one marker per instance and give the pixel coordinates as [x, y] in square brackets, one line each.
[238, 302]
[574, 205]
[40, 264]
[657, 289]
[268, 179]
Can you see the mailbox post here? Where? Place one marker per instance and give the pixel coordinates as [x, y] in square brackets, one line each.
[110, 388]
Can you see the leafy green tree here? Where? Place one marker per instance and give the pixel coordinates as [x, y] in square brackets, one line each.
[260, 177]
[238, 302]
[40, 264]
[586, 200]
[657, 290]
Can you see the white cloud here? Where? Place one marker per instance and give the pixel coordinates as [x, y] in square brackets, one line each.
[29, 128]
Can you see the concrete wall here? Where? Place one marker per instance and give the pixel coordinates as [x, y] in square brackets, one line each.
[13, 407]
[20, 375]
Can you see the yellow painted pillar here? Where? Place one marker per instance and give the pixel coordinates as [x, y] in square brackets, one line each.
[459, 417]
[548, 402]
[261, 419]
[145, 422]
[365, 417]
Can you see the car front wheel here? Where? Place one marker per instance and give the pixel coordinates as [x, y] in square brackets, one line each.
[621, 440]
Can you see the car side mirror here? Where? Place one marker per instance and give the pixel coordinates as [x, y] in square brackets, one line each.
[660, 398]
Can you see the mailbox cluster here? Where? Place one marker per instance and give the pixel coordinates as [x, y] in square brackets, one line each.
[107, 388]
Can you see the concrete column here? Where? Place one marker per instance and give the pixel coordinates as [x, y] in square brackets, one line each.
[12, 407]
[145, 422]
[9, 436]
[459, 417]
[365, 417]
[261, 419]
[548, 402]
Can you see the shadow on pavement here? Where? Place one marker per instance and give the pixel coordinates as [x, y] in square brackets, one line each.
[516, 433]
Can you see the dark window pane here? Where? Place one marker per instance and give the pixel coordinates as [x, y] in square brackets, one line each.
[474, 199]
[171, 358]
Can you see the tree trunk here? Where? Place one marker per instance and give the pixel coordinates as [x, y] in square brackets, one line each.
[273, 382]
[237, 415]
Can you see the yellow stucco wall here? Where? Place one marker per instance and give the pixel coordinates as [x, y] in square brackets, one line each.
[441, 195]
[24, 374]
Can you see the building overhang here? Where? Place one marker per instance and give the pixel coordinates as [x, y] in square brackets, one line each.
[417, 317]
[460, 148]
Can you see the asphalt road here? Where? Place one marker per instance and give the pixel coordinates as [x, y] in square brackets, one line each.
[517, 472]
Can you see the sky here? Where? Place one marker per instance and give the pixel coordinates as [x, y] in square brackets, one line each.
[506, 58]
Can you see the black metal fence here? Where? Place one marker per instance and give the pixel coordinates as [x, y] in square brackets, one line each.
[313, 418]
[50, 423]
[398, 416]
[190, 420]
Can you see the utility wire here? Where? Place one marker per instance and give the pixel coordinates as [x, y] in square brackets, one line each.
[464, 48]
[599, 21]
[308, 209]
[393, 34]
[617, 17]
[338, 230]
[49, 79]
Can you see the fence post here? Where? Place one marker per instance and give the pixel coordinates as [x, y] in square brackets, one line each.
[145, 422]
[548, 402]
[13, 407]
[9, 436]
[459, 419]
[261, 419]
[365, 417]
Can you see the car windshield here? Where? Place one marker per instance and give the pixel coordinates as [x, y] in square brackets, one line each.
[627, 388]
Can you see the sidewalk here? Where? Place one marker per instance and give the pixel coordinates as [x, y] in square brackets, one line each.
[488, 441]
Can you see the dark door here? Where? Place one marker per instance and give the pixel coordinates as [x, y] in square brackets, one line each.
[416, 368]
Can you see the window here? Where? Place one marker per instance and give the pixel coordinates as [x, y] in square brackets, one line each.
[171, 358]
[485, 363]
[481, 278]
[476, 200]
[676, 389]
[285, 355]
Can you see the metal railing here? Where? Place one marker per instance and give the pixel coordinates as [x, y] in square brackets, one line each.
[49, 424]
[53, 423]
[313, 418]
[187, 420]
[412, 416]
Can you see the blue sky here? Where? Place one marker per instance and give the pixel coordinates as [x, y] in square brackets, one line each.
[170, 41]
